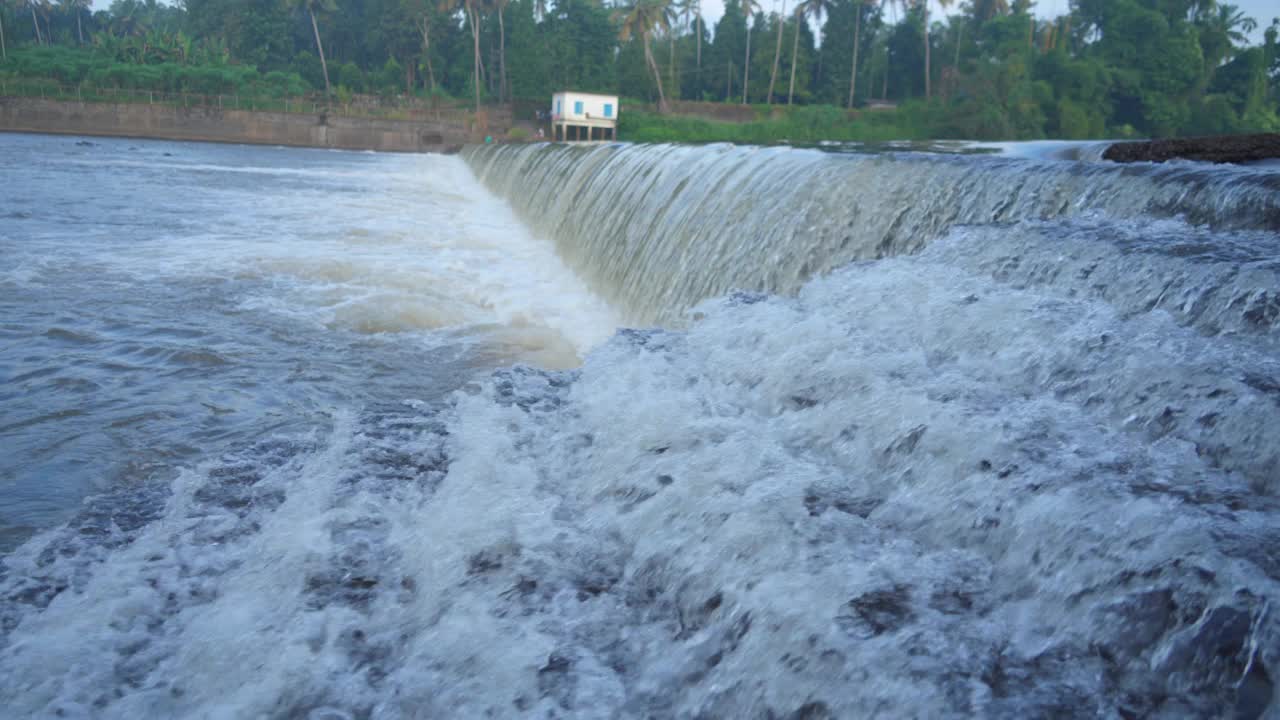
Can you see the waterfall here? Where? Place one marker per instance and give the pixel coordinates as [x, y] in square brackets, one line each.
[655, 229]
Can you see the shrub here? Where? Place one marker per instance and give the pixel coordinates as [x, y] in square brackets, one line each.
[390, 77]
[307, 66]
[349, 76]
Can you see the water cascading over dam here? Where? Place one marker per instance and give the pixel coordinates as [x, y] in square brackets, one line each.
[893, 435]
[658, 228]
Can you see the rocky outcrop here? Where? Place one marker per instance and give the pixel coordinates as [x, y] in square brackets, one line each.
[1222, 149]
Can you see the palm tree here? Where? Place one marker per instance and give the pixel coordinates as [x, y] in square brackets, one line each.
[501, 5]
[858, 7]
[1221, 28]
[671, 55]
[749, 8]
[77, 8]
[777, 51]
[470, 8]
[424, 26]
[641, 19]
[928, 73]
[46, 12]
[692, 9]
[4, 52]
[809, 8]
[924, 13]
[540, 9]
[984, 10]
[311, 6]
[795, 44]
[684, 9]
[31, 5]
[1235, 24]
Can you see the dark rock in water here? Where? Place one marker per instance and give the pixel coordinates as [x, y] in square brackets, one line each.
[1224, 149]
[1222, 652]
[746, 297]
[877, 612]
[811, 711]
[85, 143]
[556, 681]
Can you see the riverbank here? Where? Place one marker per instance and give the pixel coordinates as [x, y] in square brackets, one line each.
[215, 124]
[802, 124]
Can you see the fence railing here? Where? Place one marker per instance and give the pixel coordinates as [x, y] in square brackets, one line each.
[363, 106]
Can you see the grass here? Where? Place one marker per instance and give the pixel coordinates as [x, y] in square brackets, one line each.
[806, 124]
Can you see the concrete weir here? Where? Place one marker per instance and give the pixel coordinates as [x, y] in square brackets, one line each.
[212, 124]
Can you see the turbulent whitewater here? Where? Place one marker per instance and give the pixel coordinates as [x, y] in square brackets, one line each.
[896, 435]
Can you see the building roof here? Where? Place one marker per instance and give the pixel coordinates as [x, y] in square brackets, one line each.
[579, 92]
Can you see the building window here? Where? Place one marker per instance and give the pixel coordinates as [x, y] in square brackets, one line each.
[608, 110]
[577, 108]
[557, 107]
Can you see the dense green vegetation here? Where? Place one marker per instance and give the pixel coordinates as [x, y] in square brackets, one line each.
[988, 69]
[800, 124]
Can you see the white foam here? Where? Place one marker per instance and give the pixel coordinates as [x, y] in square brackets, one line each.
[887, 492]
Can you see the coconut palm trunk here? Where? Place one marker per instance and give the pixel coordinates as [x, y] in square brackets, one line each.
[79, 29]
[35, 21]
[503, 90]
[746, 68]
[324, 65]
[884, 77]
[795, 47]
[697, 21]
[4, 51]
[777, 52]
[671, 61]
[857, 42]
[475, 63]
[959, 41]
[657, 75]
[426, 49]
[928, 89]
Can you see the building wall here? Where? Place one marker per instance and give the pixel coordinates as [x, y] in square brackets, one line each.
[233, 126]
[593, 108]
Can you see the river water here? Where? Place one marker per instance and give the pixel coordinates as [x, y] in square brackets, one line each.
[308, 434]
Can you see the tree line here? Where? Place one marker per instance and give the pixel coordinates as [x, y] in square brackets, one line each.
[979, 69]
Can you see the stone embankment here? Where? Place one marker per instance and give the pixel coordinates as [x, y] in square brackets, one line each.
[1223, 149]
[214, 124]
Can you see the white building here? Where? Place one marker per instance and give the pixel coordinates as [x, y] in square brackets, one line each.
[575, 116]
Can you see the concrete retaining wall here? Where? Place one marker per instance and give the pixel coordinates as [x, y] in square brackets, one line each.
[214, 124]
